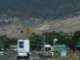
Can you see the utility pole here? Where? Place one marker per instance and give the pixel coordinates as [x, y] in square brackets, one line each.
[44, 41]
[54, 42]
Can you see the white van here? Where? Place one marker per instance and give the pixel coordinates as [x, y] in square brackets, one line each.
[23, 48]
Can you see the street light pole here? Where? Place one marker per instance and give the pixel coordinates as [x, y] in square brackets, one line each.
[54, 42]
[44, 42]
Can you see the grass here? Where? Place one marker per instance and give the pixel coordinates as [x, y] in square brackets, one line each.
[70, 56]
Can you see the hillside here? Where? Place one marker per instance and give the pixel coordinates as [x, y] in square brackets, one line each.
[71, 24]
[67, 25]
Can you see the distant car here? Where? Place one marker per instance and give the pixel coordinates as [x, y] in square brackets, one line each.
[2, 52]
[46, 54]
[15, 49]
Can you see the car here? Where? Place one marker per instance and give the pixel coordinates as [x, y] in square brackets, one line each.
[2, 52]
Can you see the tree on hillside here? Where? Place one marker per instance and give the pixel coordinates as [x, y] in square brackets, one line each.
[6, 41]
[36, 41]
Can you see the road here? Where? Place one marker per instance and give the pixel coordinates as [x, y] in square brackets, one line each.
[34, 56]
[9, 56]
[12, 56]
[3, 57]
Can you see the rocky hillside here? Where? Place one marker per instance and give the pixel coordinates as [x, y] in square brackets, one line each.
[67, 25]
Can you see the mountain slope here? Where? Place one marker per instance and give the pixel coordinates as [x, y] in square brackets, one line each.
[66, 25]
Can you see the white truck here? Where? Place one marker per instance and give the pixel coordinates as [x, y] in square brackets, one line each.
[23, 48]
[47, 50]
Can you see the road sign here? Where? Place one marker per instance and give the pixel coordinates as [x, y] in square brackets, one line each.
[27, 30]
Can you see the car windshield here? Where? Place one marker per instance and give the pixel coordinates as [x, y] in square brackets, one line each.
[48, 49]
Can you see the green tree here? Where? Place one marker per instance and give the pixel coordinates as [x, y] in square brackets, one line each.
[36, 41]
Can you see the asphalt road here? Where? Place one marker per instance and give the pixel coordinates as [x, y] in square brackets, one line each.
[34, 56]
[3, 57]
[12, 56]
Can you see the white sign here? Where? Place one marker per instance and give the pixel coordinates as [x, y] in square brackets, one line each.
[63, 54]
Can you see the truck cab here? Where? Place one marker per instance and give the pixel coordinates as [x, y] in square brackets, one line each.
[47, 50]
